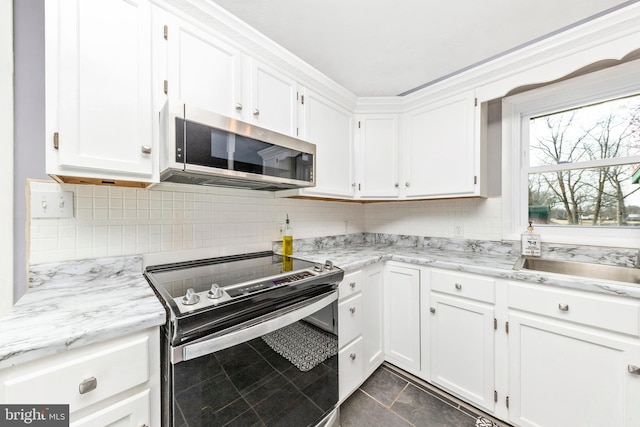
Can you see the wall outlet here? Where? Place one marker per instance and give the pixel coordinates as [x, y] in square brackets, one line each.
[458, 230]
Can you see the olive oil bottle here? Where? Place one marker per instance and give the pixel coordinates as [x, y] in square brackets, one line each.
[287, 246]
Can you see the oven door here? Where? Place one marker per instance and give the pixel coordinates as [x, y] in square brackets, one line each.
[280, 369]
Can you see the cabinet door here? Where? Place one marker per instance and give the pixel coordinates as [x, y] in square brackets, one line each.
[372, 294]
[402, 317]
[131, 412]
[329, 127]
[203, 71]
[562, 374]
[377, 156]
[99, 88]
[273, 99]
[440, 151]
[461, 347]
[350, 367]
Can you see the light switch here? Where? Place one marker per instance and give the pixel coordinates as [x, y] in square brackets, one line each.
[52, 204]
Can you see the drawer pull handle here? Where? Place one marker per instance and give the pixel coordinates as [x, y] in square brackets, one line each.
[352, 284]
[352, 356]
[633, 369]
[88, 385]
[145, 149]
[352, 310]
[432, 310]
[458, 286]
[563, 307]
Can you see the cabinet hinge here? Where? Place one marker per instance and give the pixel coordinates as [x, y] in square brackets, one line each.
[495, 323]
[495, 396]
[506, 327]
[507, 400]
[475, 179]
[166, 32]
[475, 102]
[166, 87]
[56, 140]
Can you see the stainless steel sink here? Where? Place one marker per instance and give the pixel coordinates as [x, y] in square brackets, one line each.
[582, 269]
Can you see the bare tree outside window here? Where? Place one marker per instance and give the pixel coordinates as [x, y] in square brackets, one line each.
[581, 163]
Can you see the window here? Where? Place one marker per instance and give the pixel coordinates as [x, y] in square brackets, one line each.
[572, 151]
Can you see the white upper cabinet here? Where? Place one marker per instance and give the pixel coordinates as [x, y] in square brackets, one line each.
[329, 127]
[272, 99]
[377, 158]
[202, 70]
[99, 93]
[441, 150]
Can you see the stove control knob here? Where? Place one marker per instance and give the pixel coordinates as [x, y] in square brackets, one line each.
[215, 292]
[191, 297]
[317, 267]
[328, 265]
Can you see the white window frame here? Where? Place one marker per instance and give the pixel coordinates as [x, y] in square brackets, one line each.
[517, 110]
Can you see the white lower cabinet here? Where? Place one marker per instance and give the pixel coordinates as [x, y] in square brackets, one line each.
[571, 364]
[359, 328]
[116, 382]
[402, 317]
[461, 345]
[127, 413]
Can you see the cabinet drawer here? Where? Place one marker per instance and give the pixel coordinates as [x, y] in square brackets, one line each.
[350, 366]
[602, 311]
[463, 285]
[81, 378]
[349, 319]
[350, 285]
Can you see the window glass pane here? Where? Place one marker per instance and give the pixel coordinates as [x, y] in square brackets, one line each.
[587, 197]
[600, 131]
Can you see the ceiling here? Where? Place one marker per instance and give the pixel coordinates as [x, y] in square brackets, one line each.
[391, 47]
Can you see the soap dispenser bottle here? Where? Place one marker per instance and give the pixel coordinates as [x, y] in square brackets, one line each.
[530, 242]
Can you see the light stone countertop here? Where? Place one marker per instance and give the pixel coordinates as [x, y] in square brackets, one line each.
[495, 262]
[75, 303]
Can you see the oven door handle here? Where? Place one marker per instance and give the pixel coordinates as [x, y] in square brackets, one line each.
[257, 328]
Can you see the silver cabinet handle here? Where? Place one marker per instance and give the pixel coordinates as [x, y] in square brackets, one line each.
[88, 385]
[633, 369]
[352, 356]
[563, 307]
[353, 185]
[407, 184]
[145, 149]
[256, 112]
[238, 107]
[352, 284]
[352, 310]
[458, 286]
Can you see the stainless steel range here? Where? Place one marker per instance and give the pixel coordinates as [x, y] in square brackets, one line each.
[250, 340]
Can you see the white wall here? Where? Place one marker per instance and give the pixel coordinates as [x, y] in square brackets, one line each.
[6, 155]
[114, 221]
[480, 218]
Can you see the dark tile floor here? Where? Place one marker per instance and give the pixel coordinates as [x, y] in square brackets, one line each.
[389, 398]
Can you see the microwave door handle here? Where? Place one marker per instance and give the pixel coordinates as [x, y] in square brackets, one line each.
[275, 321]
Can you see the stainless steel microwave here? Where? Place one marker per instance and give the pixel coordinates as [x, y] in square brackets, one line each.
[206, 148]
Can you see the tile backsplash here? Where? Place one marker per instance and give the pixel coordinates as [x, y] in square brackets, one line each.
[114, 221]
